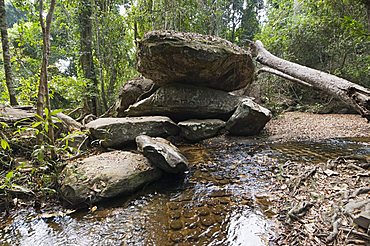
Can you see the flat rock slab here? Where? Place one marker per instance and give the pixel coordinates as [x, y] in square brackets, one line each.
[132, 91]
[197, 130]
[190, 58]
[183, 102]
[248, 119]
[162, 154]
[14, 114]
[106, 175]
[116, 132]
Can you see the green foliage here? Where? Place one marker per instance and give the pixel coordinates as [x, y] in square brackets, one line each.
[37, 174]
[327, 35]
[331, 36]
[3, 141]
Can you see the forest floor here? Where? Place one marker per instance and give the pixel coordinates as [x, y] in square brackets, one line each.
[317, 203]
[307, 126]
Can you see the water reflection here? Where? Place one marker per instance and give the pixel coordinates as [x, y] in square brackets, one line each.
[248, 228]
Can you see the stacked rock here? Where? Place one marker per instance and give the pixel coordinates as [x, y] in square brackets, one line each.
[186, 91]
[192, 78]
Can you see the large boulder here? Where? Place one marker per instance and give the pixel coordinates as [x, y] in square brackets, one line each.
[190, 58]
[115, 132]
[183, 102]
[197, 130]
[106, 175]
[162, 153]
[133, 91]
[248, 119]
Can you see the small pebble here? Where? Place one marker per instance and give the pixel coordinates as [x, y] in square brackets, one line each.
[176, 225]
[175, 215]
[176, 237]
[204, 211]
[207, 221]
[173, 205]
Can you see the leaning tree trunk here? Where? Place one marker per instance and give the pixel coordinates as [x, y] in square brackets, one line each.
[43, 98]
[352, 94]
[6, 54]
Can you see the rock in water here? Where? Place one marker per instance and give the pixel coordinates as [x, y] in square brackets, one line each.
[190, 58]
[132, 91]
[162, 154]
[183, 102]
[115, 132]
[196, 130]
[106, 175]
[248, 119]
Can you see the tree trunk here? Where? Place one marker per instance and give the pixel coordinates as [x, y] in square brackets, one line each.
[6, 54]
[86, 58]
[43, 99]
[352, 94]
[367, 6]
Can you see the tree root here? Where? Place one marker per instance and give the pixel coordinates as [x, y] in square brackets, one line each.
[303, 177]
[358, 234]
[296, 213]
[335, 225]
[359, 191]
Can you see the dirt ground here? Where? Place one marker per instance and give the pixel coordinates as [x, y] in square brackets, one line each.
[308, 126]
[321, 203]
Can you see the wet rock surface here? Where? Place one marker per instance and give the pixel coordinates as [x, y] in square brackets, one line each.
[189, 58]
[116, 132]
[105, 176]
[196, 130]
[183, 102]
[162, 154]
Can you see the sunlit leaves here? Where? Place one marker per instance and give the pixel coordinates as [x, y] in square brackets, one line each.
[4, 144]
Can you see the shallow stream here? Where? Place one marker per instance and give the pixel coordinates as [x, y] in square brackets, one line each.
[221, 200]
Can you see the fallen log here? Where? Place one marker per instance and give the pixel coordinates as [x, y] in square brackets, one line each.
[282, 75]
[356, 96]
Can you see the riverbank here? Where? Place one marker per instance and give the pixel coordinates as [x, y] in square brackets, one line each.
[318, 197]
[298, 173]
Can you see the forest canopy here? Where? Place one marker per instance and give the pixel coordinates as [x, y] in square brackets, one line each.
[93, 43]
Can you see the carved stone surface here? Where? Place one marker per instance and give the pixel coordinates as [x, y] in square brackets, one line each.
[197, 130]
[248, 119]
[116, 132]
[189, 58]
[183, 102]
[105, 175]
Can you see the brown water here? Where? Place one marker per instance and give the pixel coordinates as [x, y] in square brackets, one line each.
[222, 200]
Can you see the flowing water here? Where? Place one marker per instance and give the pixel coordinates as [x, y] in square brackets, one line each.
[221, 200]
